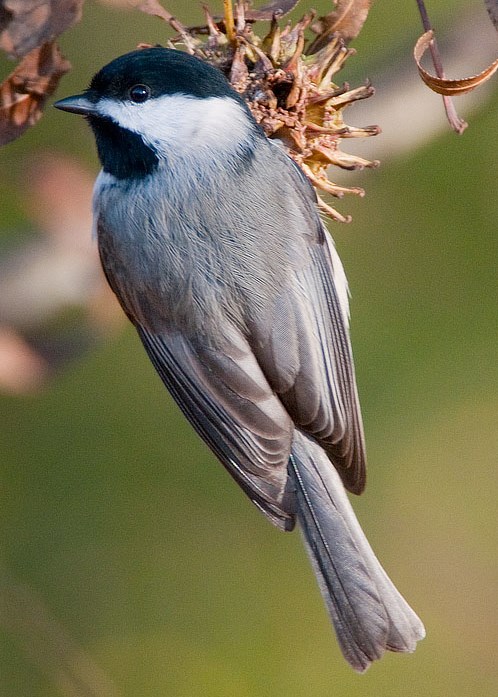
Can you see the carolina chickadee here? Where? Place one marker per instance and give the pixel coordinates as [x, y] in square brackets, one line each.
[210, 237]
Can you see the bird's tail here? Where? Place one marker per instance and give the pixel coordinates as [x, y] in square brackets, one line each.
[369, 614]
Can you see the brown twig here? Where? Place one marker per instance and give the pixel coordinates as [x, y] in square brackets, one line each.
[229, 20]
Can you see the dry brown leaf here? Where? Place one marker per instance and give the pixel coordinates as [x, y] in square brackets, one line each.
[492, 8]
[443, 85]
[26, 24]
[345, 21]
[24, 92]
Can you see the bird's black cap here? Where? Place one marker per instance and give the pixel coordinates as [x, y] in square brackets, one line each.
[164, 71]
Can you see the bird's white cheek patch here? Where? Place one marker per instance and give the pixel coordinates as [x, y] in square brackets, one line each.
[180, 123]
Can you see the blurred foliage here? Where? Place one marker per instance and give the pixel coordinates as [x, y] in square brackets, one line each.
[140, 545]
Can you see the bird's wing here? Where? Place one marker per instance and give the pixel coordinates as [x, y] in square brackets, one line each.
[227, 399]
[304, 348]
[223, 393]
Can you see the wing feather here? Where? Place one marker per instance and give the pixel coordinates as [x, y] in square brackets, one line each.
[234, 411]
[304, 346]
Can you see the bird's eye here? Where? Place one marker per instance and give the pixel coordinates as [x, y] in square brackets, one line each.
[139, 93]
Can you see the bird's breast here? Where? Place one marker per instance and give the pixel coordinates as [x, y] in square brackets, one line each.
[176, 264]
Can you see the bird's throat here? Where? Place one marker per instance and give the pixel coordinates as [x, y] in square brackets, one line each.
[122, 153]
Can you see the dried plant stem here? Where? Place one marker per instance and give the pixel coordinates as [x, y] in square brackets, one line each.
[229, 20]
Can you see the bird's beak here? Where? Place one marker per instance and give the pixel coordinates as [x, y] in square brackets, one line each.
[79, 104]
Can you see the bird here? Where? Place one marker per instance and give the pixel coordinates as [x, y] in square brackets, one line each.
[209, 235]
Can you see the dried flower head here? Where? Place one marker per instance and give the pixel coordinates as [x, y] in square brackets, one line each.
[287, 78]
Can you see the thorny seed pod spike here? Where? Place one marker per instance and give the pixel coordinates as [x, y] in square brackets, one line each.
[322, 59]
[351, 96]
[289, 42]
[240, 16]
[271, 42]
[331, 212]
[214, 32]
[265, 62]
[291, 64]
[343, 131]
[366, 132]
[239, 72]
[345, 161]
[325, 97]
[284, 34]
[336, 63]
[339, 191]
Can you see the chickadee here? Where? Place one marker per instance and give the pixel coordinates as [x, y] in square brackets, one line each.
[210, 237]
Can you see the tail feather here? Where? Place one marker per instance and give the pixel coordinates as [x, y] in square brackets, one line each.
[369, 614]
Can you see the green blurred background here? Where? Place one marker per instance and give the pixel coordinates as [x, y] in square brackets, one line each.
[132, 565]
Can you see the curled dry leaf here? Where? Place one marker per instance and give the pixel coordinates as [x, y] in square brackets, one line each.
[492, 8]
[345, 21]
[27, 24]
[24, 92]
[443, 85]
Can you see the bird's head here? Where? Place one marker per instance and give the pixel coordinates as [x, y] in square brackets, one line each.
[157, 104]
